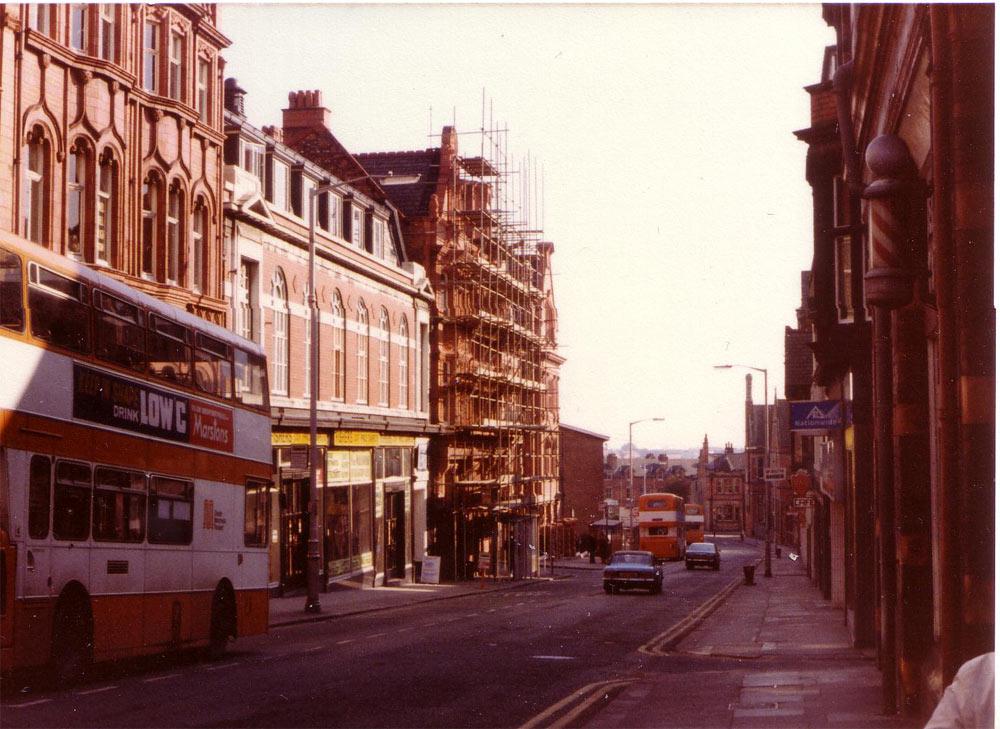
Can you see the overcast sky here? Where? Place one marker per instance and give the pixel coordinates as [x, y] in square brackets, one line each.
[674, 191]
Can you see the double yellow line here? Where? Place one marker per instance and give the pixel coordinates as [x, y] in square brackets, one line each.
[586, 696]
[662, 643]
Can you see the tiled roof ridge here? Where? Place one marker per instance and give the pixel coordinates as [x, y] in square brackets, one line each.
[401, 153]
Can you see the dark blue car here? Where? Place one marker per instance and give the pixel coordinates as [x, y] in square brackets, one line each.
[633, 570]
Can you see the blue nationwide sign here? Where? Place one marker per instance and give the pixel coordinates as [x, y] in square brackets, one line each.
[819, 415]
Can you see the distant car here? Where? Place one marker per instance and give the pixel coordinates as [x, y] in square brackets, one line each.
[702, 553]
[633, 569]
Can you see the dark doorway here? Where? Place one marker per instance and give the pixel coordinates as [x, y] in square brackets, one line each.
[395, 535]
[294, 531]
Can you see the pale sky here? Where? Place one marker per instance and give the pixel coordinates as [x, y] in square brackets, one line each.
[674, 191]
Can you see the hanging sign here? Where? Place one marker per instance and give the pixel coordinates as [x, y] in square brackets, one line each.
[819, 415]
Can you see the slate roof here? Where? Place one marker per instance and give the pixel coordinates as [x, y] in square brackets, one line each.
[413, 199]
[321, 147]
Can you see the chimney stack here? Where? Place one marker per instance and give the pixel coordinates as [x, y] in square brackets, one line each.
[233, 97]
[305, 111]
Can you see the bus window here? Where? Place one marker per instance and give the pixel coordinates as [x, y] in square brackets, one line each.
[59, 311]
[11, 305]
[71, 507]
[213, 369]
[169, 350]
[39, 496]
[119, 332]
[171, 510]
[255, 516]
[251, 378]
[119, 505]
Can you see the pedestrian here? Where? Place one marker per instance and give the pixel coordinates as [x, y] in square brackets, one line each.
[968, 702]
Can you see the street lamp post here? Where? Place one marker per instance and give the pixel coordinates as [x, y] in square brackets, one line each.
[312, 554]
[767, 460]
[631, 468]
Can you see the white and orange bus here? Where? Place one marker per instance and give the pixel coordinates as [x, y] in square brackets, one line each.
[661, 525]
[694, 523]
[135, 465]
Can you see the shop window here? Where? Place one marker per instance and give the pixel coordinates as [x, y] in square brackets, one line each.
[171, 510]
[71, 502]
[337, 531]
[119, 505]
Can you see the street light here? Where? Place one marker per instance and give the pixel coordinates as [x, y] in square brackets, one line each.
[767, 460]
[312, 555]
[631, 468]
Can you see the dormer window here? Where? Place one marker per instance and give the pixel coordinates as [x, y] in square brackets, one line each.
[278, 187]
[357, 227]
[252, 159]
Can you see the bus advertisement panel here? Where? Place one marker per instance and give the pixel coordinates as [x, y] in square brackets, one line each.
[135, 466]
[661, 525]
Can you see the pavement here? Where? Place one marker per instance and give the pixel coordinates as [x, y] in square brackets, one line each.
[774, 654]
[770, 655]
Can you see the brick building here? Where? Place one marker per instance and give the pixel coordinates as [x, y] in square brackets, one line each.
[900, 162]
[721, 483]
[373, 312]
[581, 476]
[494, 368]
[111, 138]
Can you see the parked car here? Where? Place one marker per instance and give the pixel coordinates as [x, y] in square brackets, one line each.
[633, 569]
[702, 553]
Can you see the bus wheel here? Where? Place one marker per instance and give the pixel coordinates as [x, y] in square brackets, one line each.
[223, 625]
[72, 644]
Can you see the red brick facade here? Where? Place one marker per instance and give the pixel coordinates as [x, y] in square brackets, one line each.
[109, 111]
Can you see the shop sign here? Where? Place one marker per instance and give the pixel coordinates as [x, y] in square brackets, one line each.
[362, 438]
[288, 439]
[819, 415]
[405, 441]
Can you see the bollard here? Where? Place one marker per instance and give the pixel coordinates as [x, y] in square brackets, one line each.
[748, 570]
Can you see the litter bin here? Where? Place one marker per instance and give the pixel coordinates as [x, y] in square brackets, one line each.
[748, 570]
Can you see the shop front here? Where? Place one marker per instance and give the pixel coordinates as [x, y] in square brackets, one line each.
[366, 486]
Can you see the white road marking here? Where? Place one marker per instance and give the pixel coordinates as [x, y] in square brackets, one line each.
[377, 635]
[314, 649]
[95, 691]
[403, 630]
[555, 658]
[26, 704]
[345, 642]
[160, 678]
[219, 668]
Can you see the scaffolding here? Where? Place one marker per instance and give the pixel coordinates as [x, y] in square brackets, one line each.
[495, 381]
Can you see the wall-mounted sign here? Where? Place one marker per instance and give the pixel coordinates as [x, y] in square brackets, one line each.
[108, 399]
[820, 415]
[355, 438]
[775, 474]
[279, 439]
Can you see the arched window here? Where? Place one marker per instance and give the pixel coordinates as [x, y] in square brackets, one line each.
[362, 352]
[35, 186]
[199, 238]
[77, 205]
[339, 343]
[404, 364]
[175, 244]
[106, 239]
[150, 224]
[383, 357]
[279, 355]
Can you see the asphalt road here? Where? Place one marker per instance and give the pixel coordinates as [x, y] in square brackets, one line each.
[492, 659]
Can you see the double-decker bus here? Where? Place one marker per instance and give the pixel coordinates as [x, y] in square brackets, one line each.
[694, 523]
[661, 525]
[134, 471]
